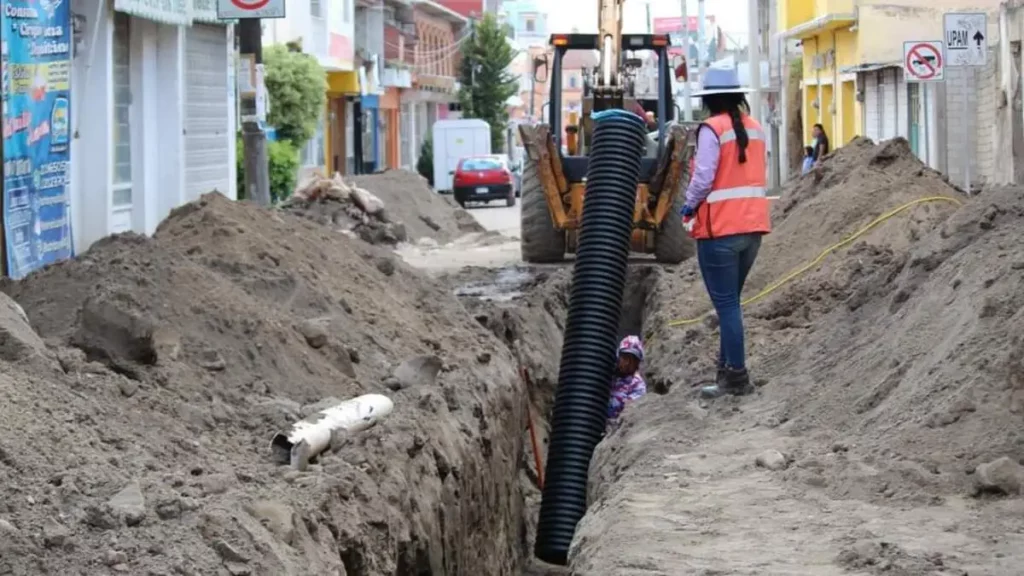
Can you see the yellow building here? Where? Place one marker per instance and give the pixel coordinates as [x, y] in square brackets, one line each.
[827, 31]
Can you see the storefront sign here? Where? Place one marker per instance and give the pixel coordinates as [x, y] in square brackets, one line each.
[205, 11]
[36, 70]
[175, 12]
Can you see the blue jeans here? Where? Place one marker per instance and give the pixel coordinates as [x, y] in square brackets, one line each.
[724, 264]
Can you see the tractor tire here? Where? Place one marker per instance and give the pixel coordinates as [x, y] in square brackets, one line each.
[539, 241]
[673, 244]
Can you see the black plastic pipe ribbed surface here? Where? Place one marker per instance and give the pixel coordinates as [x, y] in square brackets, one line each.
[589, 346]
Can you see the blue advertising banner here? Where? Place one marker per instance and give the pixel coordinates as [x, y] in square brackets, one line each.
[35, 51]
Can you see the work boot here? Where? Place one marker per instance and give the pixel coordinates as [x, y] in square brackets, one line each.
[729, 381]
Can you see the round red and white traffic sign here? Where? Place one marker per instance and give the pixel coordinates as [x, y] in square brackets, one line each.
[924, 61]
[250, 5]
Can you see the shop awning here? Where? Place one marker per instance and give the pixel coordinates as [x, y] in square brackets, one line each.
[346, 82]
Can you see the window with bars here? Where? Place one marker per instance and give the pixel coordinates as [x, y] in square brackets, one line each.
[122, 177]
[316, 9]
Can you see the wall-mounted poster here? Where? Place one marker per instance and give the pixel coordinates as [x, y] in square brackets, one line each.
[36, 53]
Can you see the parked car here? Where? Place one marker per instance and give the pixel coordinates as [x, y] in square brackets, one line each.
[482, 179]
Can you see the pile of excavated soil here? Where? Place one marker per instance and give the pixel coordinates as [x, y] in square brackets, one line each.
[136, 439]
[887, 436]
[390, 207]
[426, 213]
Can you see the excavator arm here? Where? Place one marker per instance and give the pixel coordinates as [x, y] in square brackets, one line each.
[609, 90]
[554, 177]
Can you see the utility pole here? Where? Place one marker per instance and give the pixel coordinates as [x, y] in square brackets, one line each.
[754, 57]
[254, 140]
[649, 17]
[702, 63]
[687, 99]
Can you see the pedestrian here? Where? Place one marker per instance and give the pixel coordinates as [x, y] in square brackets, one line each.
[808, 160]
[727, 212]
[628, 384]
[821, 144]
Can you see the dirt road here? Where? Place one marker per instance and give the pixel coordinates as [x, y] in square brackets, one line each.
[499, 218]
[497, 248]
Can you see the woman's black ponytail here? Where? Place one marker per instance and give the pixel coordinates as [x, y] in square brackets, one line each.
[734, 105]
[742, 139]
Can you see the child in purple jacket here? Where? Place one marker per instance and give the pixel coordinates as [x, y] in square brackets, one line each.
[628, 384]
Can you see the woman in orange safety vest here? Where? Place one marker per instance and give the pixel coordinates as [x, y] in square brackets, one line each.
[726, 211]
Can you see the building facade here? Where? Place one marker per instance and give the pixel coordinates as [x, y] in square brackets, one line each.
[852, 70]
[154, 119]
[324, 29]
[527, 22]
[433, 96]
[473, 8]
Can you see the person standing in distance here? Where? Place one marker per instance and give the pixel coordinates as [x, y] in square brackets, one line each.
[727, 212]
[821, 143]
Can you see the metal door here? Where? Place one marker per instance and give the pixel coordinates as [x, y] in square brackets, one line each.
[207, 111]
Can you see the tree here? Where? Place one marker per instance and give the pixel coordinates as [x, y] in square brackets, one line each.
[297, 87]
[425, 165]
[486, 81]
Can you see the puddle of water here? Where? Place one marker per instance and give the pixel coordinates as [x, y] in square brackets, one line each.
[505, 286]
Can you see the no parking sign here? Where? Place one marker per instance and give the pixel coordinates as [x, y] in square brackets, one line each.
[235, 9]
[923, 61]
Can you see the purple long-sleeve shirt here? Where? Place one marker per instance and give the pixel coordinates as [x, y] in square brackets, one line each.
[705, 167]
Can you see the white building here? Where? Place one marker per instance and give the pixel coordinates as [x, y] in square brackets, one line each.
[153, 112]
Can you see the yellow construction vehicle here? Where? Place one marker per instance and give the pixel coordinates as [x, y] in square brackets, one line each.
[553, 181]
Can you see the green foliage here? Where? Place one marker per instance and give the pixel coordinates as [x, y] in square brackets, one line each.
[283, 160]
[796, 68]
[297, 86]
[425, 165]
[486, 81]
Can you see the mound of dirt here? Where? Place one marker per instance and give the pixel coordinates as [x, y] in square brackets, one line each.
[426, 213]
[136, 440]
[887, 434]
[390, 207]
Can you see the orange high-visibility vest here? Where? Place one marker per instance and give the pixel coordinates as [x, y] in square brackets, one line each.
[738, 202]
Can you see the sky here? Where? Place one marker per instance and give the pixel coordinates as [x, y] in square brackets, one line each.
[731, 15]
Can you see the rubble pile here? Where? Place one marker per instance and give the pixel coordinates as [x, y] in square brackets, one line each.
[357, 211]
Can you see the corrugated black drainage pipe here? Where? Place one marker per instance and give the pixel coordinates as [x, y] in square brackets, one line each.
[595, 307]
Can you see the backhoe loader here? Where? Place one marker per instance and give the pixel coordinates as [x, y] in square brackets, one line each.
[554, 177]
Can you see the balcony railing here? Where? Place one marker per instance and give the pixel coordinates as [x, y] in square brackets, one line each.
[399, 45]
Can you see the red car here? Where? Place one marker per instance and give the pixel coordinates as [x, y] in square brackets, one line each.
[482, 179]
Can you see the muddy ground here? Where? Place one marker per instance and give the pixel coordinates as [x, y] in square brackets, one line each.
[144, 379]
[887, 436]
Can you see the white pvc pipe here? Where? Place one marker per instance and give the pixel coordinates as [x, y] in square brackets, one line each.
[310, 436]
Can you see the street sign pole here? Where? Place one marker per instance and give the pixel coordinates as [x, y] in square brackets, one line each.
[967, 156]
[252, 91]
[254, 139]
[966, 46]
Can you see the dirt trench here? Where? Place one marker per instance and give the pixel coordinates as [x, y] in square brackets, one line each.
[525, 308]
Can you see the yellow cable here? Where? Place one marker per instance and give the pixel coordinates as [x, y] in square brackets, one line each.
[799, 271]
